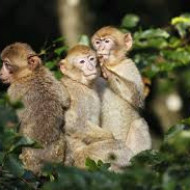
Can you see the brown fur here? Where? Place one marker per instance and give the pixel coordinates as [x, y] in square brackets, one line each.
[122, 95]
[45, 101]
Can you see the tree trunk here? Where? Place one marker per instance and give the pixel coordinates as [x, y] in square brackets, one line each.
[71, 20]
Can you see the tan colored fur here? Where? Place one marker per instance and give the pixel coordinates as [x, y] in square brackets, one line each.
[122, 95]
[84, 136]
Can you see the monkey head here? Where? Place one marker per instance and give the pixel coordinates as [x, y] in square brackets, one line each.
[110, 42]
[18, 61]
[80, 64]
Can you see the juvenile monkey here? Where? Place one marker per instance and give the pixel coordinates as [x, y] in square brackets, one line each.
[45, 100]
[122, 94]
[83, 135]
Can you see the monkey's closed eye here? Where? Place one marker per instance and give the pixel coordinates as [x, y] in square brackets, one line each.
[107, 41]
[97, 42]
[92, 59]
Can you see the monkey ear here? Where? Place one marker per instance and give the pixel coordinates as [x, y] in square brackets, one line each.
[128, 41]
[62, 66]
[34, 62]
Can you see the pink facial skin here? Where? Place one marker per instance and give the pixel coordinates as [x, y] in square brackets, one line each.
[88, 66]
[6, 72]
[103, 47]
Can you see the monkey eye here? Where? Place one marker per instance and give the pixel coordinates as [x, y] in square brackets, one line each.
[97, 42]
[6, 63]
[107, 41]
[82, 61]
[92, 59]
[8, 66]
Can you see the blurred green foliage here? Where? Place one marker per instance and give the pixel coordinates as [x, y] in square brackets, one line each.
[157, 52]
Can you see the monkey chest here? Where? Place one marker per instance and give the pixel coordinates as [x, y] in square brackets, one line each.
[87, 106]
[116, 115]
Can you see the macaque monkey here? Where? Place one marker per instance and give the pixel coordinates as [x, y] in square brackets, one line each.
[45, 101]
[84, 137]
[123, 93]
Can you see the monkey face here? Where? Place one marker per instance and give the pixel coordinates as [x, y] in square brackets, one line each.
[103, 46]
[110, 43]
[87, 64]
[19, 60]
[80, 64]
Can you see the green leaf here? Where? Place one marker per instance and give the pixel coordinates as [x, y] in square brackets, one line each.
[60, 39]
[182, 56]
[2, 155]
[60, 50]
[50, 64]
[173, 131]
[21, 141]
[130, 21]
[58, 75]
[180, 19]
[158, 43]
[84, 40]
[91, 164]
[151, 33]
[14, 165]
[181, 23]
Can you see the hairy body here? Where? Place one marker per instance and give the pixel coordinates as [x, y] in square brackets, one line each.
[122, 93]
[45, 101]
[84, 136]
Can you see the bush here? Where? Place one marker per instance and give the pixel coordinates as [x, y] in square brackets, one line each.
[158, 52]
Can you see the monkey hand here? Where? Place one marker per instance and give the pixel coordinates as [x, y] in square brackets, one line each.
[106, 73]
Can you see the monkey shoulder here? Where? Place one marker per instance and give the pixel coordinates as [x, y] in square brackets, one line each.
[127, 70]
[79, 91]
[84, 100]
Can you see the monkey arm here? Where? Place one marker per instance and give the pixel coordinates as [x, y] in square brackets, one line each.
[95, 133]
[92, 133]
[65, 97]
[126, 89]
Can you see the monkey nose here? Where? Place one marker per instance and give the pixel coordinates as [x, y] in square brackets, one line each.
[91, 67]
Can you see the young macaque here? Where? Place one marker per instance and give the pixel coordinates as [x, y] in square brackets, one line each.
[123, 93]
[84, 137]
[45, 101]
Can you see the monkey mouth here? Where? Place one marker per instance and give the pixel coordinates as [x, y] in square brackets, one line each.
[5, 81]
[89, 75]
[103, 54]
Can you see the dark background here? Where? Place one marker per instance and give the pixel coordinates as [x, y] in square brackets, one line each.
[36, 21]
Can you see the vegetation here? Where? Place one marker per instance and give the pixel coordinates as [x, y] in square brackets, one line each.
[159, 53]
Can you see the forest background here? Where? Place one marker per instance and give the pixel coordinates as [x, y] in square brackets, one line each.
[161, 32]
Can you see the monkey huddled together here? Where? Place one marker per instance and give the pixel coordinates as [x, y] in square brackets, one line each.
[84, 115]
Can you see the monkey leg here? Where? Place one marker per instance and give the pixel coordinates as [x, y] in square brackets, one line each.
[109, 151]
[138, 138]
[95, 133]
[30, 160]
[91, 133]
[34, 159]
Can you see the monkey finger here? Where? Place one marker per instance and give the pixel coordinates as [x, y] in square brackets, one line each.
[104, 75]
